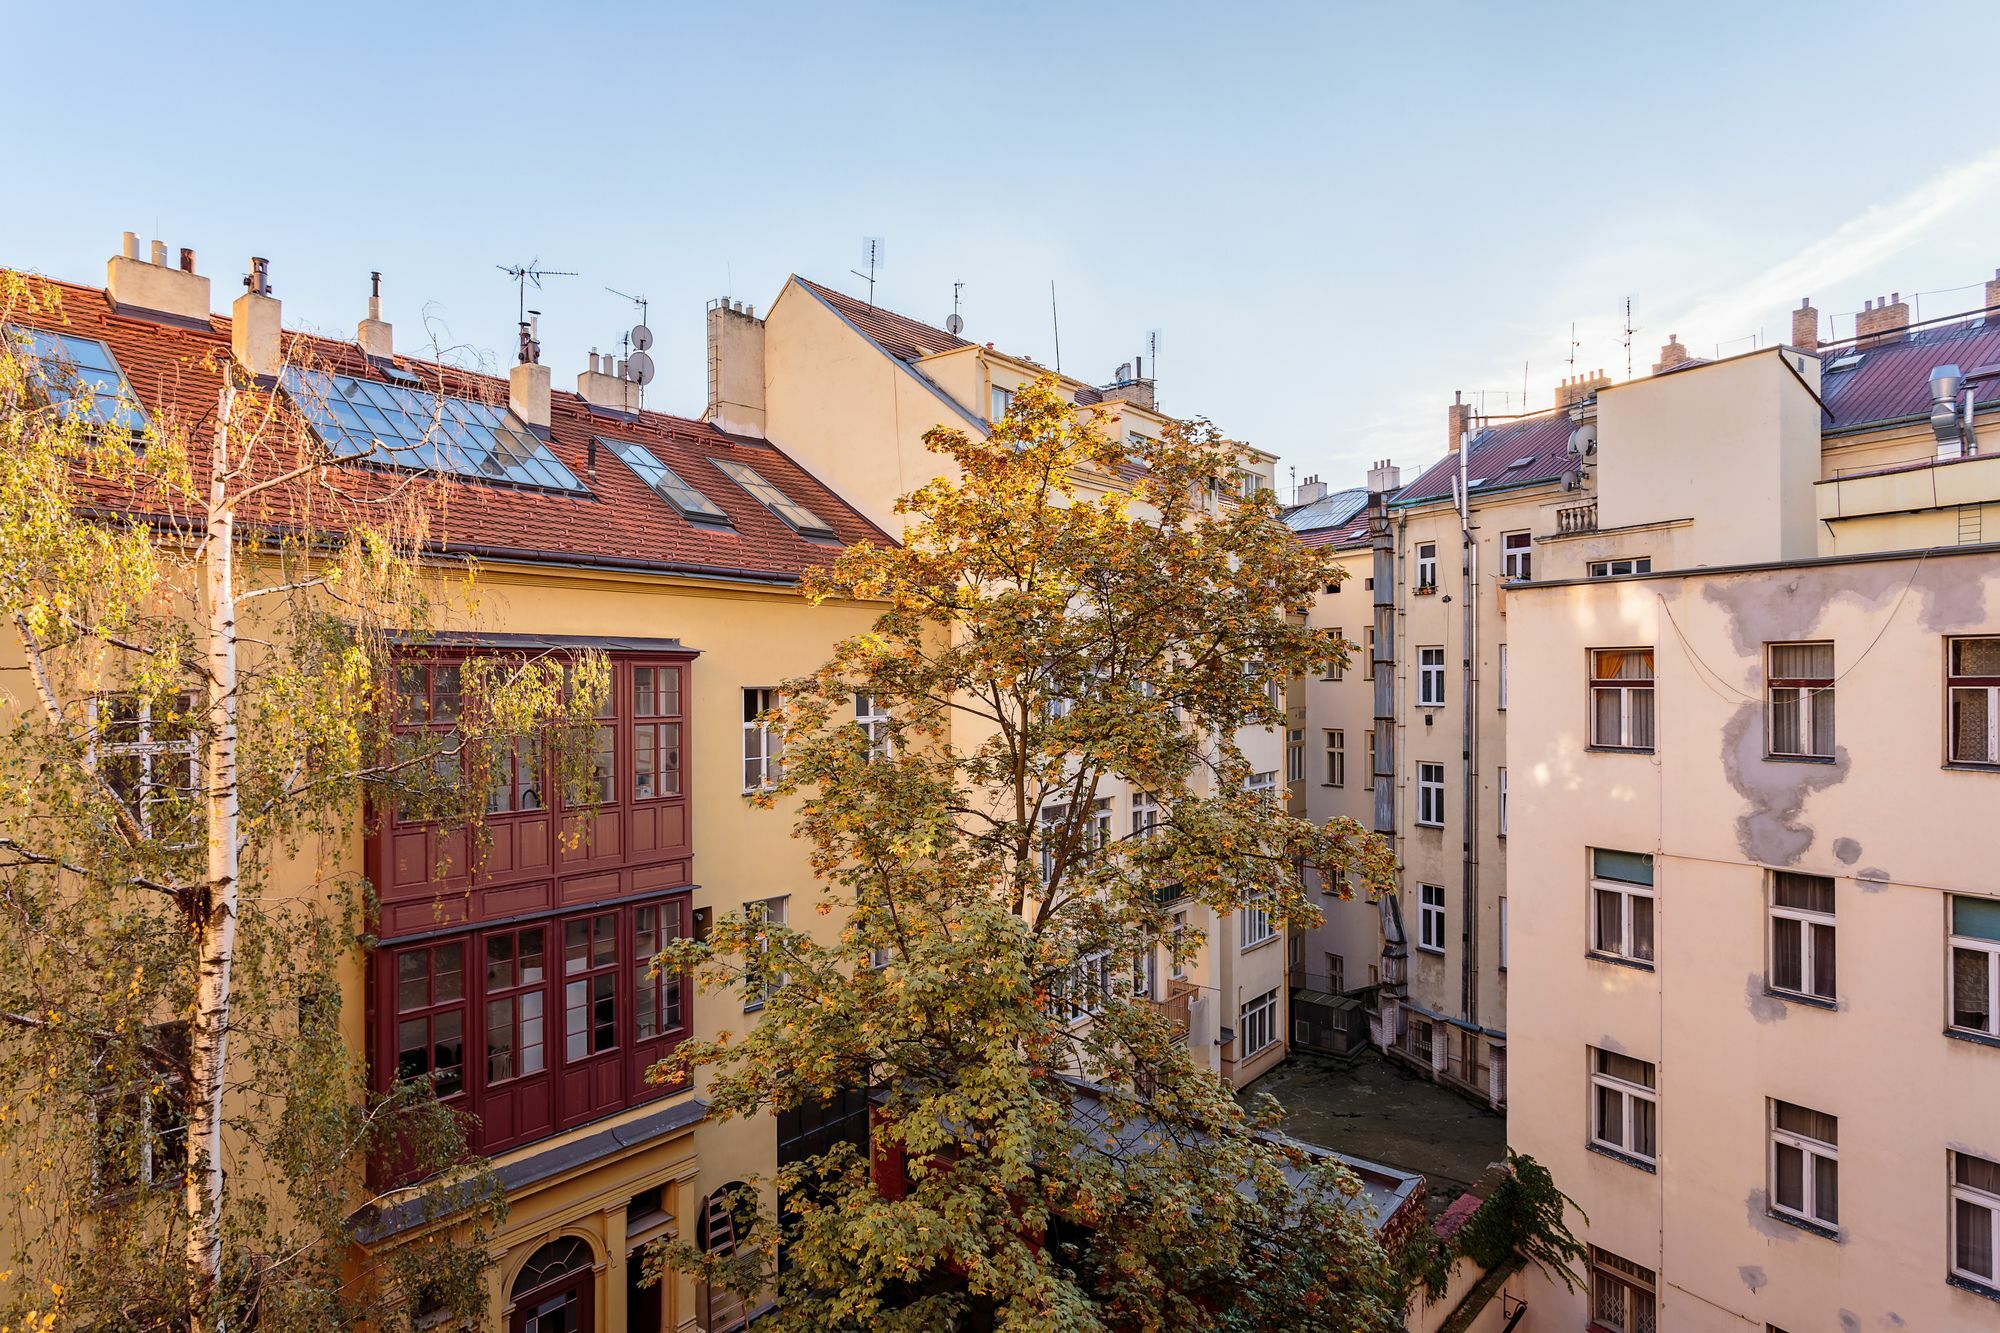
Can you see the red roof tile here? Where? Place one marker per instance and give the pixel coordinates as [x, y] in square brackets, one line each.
[900, 336]
[620, 523]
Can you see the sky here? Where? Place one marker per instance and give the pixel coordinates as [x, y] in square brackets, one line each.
[1334, 216]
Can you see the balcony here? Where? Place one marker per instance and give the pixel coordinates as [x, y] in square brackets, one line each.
[1927, 484]
[1175, 1008]
[1577, 518]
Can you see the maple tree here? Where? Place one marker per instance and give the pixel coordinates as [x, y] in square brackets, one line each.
[1068, 616]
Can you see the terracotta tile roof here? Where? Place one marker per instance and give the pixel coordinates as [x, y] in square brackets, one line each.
[900, 336]
[1893, 380]
[621, 522]
[1539, 444]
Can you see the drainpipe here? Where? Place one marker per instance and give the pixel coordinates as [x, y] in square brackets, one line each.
[1395, 945]
[1469, 590]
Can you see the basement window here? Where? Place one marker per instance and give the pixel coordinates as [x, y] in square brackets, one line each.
[795, 515]
[70, 369]
[690, 503]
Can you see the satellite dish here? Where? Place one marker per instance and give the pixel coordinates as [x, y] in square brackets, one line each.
[954, 324]
[642, 337]
[639, 368]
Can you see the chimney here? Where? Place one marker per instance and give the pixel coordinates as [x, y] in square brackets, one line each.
[1138, 392]
[1457, 421]
[374, 334]
[1671, 355]
[156, 288]
[1384, 477]
[735, 369]
[605, 385]
[1881, 320]
[1805, 326]
[1993, 295]
[528, 393]
[1575, 388]
[1308, 491]
[254, 322]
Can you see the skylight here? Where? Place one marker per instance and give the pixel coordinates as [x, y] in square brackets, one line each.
[692, 504]
[1848, 362]
[398, 427]
[1519, 462]
[800, 518]
[69, 364]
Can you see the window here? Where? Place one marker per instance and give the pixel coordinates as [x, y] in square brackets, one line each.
[1368, 660]
[1427, 567]
[1368, 776]
[1295, 755]
[1973, 687]
[1802, 934]
[763, 748]
[1621, 1295]
[1258, 1025]
[139, 1123]
[516, 975]
[392, 426]
[688, 502]
[794, 515]
[1336, 757]
[1177, 936]
[1805, 1164]
[1624, 1105]
[1503, 678]
[1799, 686]
[145, 750]
[1100, 823]
[1604, 569]
[590, 985]
[1503, 802]
[1001, 401]
[1621, 905]
[1516, 555]
[1257, 927]
[1145, 814]
[1621, 698]
[430, 1017]
[761, 980]
[1430, 795]
[1430, 917]
[658, 995]
[871, 714]
[1975, 1218]
[1080, 991]
[1430, 677]
[1975, 965]
[602, 785]
[1334, 671]
[1336, 973]
[1503, 933]
[68, 368]
[1264, 785]
[656, 732]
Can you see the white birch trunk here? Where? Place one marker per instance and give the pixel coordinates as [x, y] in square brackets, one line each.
[209, 1044]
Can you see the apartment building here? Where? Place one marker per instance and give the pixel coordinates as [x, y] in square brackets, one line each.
[851, 388]
[1754, 884]
[520, 983]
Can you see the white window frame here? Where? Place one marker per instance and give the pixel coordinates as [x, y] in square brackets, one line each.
[1430, 794]
[1257, 926]
[1810, 924]
[1626, 1092]
[1627, 891]
[999, 400]
[1430, 918]
[1503, 802]
[1990, 950]
[1145, 814]
[873, 719]
[769, 911]
[1427, 566]
[1622, 1274]
[1809, 1149]
[1517, 554]
[1336, 973]
[1295, 754]
[1264, 785]
[1259, 1018]
[1503, 678]
[1986, 686]
[763, 746]
[1336, 757]
[1177, 932]
[1368, 653]
[1972, 1196]
[1333, 670]
[156, 759]
[1430, 677]
[1804, 693]
[1624, 687]
[1611, 569]
[1090, 977]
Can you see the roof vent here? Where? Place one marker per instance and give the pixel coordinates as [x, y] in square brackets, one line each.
[1954, 433]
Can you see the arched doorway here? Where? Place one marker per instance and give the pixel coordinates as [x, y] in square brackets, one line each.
[555, 1289]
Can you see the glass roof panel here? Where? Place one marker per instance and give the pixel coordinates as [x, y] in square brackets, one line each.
[800, 518]
[399, 427]
[72, 366]
[691, 503]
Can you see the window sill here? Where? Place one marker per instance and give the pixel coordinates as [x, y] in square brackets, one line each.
[1430, 949]
[1619, 749]
[1813, 1228]
[1969, 768]
[1421, 824]
[1809, 1001]
[1650, 1168]
[1637, 965]
[1973, 1038]
[1333, 784]
[1974, 1286]
[1798, 759]
[1252, 948]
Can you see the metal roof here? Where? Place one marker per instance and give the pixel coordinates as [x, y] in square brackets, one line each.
[1892, 380]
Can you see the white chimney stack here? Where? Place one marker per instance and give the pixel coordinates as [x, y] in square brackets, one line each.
[156, 288]
[374, 335]
[604, 385]
[255, 323]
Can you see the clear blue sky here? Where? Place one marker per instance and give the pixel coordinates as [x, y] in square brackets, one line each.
[1335, 215]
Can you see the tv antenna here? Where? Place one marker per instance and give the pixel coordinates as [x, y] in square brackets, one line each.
[639, 368]
[956, 323]
[1055, 323]
[871, 255]
[523, 274]
[1629, 331]
[1152, 354]
[1573, 344]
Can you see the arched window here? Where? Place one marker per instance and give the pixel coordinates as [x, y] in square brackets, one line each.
[553, 1291]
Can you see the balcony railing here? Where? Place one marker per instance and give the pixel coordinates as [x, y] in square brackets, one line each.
[1577, 518]
[1180, 994]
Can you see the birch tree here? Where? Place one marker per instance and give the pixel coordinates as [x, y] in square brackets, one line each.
[202, 619]
[1047, 1154]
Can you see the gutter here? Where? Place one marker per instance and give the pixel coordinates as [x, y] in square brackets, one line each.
[1767, 566]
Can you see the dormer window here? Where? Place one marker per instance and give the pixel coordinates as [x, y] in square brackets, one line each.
[688, 502]
[795, 515]
[69, 369]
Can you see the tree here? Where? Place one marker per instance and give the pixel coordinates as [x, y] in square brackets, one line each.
[206, 620]
[1046, 1154]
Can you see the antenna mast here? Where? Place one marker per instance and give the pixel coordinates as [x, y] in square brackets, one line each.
[956, 324]
[1628, 337]
[1573, 345]
[523, 274]
[1055, 323]
[871, 251]
[638, 361]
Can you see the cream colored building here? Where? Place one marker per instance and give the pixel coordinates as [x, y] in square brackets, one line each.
[1754, 878]
[851, 389]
